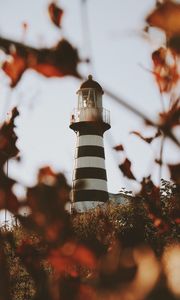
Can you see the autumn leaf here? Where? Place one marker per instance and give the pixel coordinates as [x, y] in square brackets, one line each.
[84, 256]
[159, 56]
[119, 148]
[14, 68]
[8, 139]
[161, 226]
[167, 17]
[47, 176]
[174, 43]
[55, 14]
[151, 195]
[46, 201]
[7, 198]
[58, 61]
[69, 255]
[170, 118]
[159, 161]
[165, 69]
[147, 139]
[125, 167]
[8, 150]
[175, 172]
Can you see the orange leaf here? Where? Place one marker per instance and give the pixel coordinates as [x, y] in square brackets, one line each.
[166, 17]
[58, 61]
[70, 255]
[55, 14]
[165, 69]
[15, 68]
[84, 256]
[48, 70]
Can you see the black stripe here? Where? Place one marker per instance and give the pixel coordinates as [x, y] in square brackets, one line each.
[90, 195]
[92, 128]
[90, 131]
[97, 128]
[97, 173]
[90, 151]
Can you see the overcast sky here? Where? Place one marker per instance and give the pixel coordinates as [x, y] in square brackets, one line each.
[120, 56]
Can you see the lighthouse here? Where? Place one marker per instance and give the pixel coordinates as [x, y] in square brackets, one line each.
[89, 121]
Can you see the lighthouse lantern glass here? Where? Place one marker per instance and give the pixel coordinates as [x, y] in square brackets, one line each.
[89, 98]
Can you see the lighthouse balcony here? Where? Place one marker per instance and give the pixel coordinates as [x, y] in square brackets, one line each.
[90, 115]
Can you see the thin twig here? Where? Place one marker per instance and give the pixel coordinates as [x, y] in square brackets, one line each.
[86, 36]
[161, 158]
[6, 106]
[5, 213]
[162, 102]
[141, 115]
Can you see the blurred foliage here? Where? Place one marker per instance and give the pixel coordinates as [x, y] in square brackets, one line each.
[125, 251]
[99, 252]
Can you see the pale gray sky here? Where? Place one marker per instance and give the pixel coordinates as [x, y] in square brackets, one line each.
[118, 51]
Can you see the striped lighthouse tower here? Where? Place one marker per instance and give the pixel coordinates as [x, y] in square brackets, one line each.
[89, 121]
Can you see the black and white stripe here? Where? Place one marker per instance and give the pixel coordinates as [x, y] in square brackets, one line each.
[89, 176]
[95, 151]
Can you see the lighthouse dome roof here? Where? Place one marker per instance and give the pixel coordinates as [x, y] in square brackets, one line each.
[90, 83]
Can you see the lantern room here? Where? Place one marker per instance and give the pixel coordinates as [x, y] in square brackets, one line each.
[89, 106]
[90, 94]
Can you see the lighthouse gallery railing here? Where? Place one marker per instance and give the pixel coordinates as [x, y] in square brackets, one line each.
[90, 114]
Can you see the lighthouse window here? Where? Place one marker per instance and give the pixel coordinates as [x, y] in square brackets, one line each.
[87, 98]
[80, 100]
[84, 102]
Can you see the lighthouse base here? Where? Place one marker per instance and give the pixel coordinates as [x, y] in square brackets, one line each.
[83, 206]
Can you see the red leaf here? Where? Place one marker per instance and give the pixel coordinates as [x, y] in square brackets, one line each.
[125, 167]
[15, 68]
[175, 172]
[65, 258]
[147, 139]
[56, 14]
[8, 139]
[177, 221]
[48, 70]
[165, 69]
[161, 226]
[119, 148]
[46, 201]
[159, 56]
[58, 61]
[84, 256]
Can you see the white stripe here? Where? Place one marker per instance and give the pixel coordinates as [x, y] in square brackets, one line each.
[91, 140]
[83, 206]
[91, 184]
[89, 162]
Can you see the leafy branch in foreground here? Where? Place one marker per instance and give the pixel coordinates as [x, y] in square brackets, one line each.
[112, 252]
